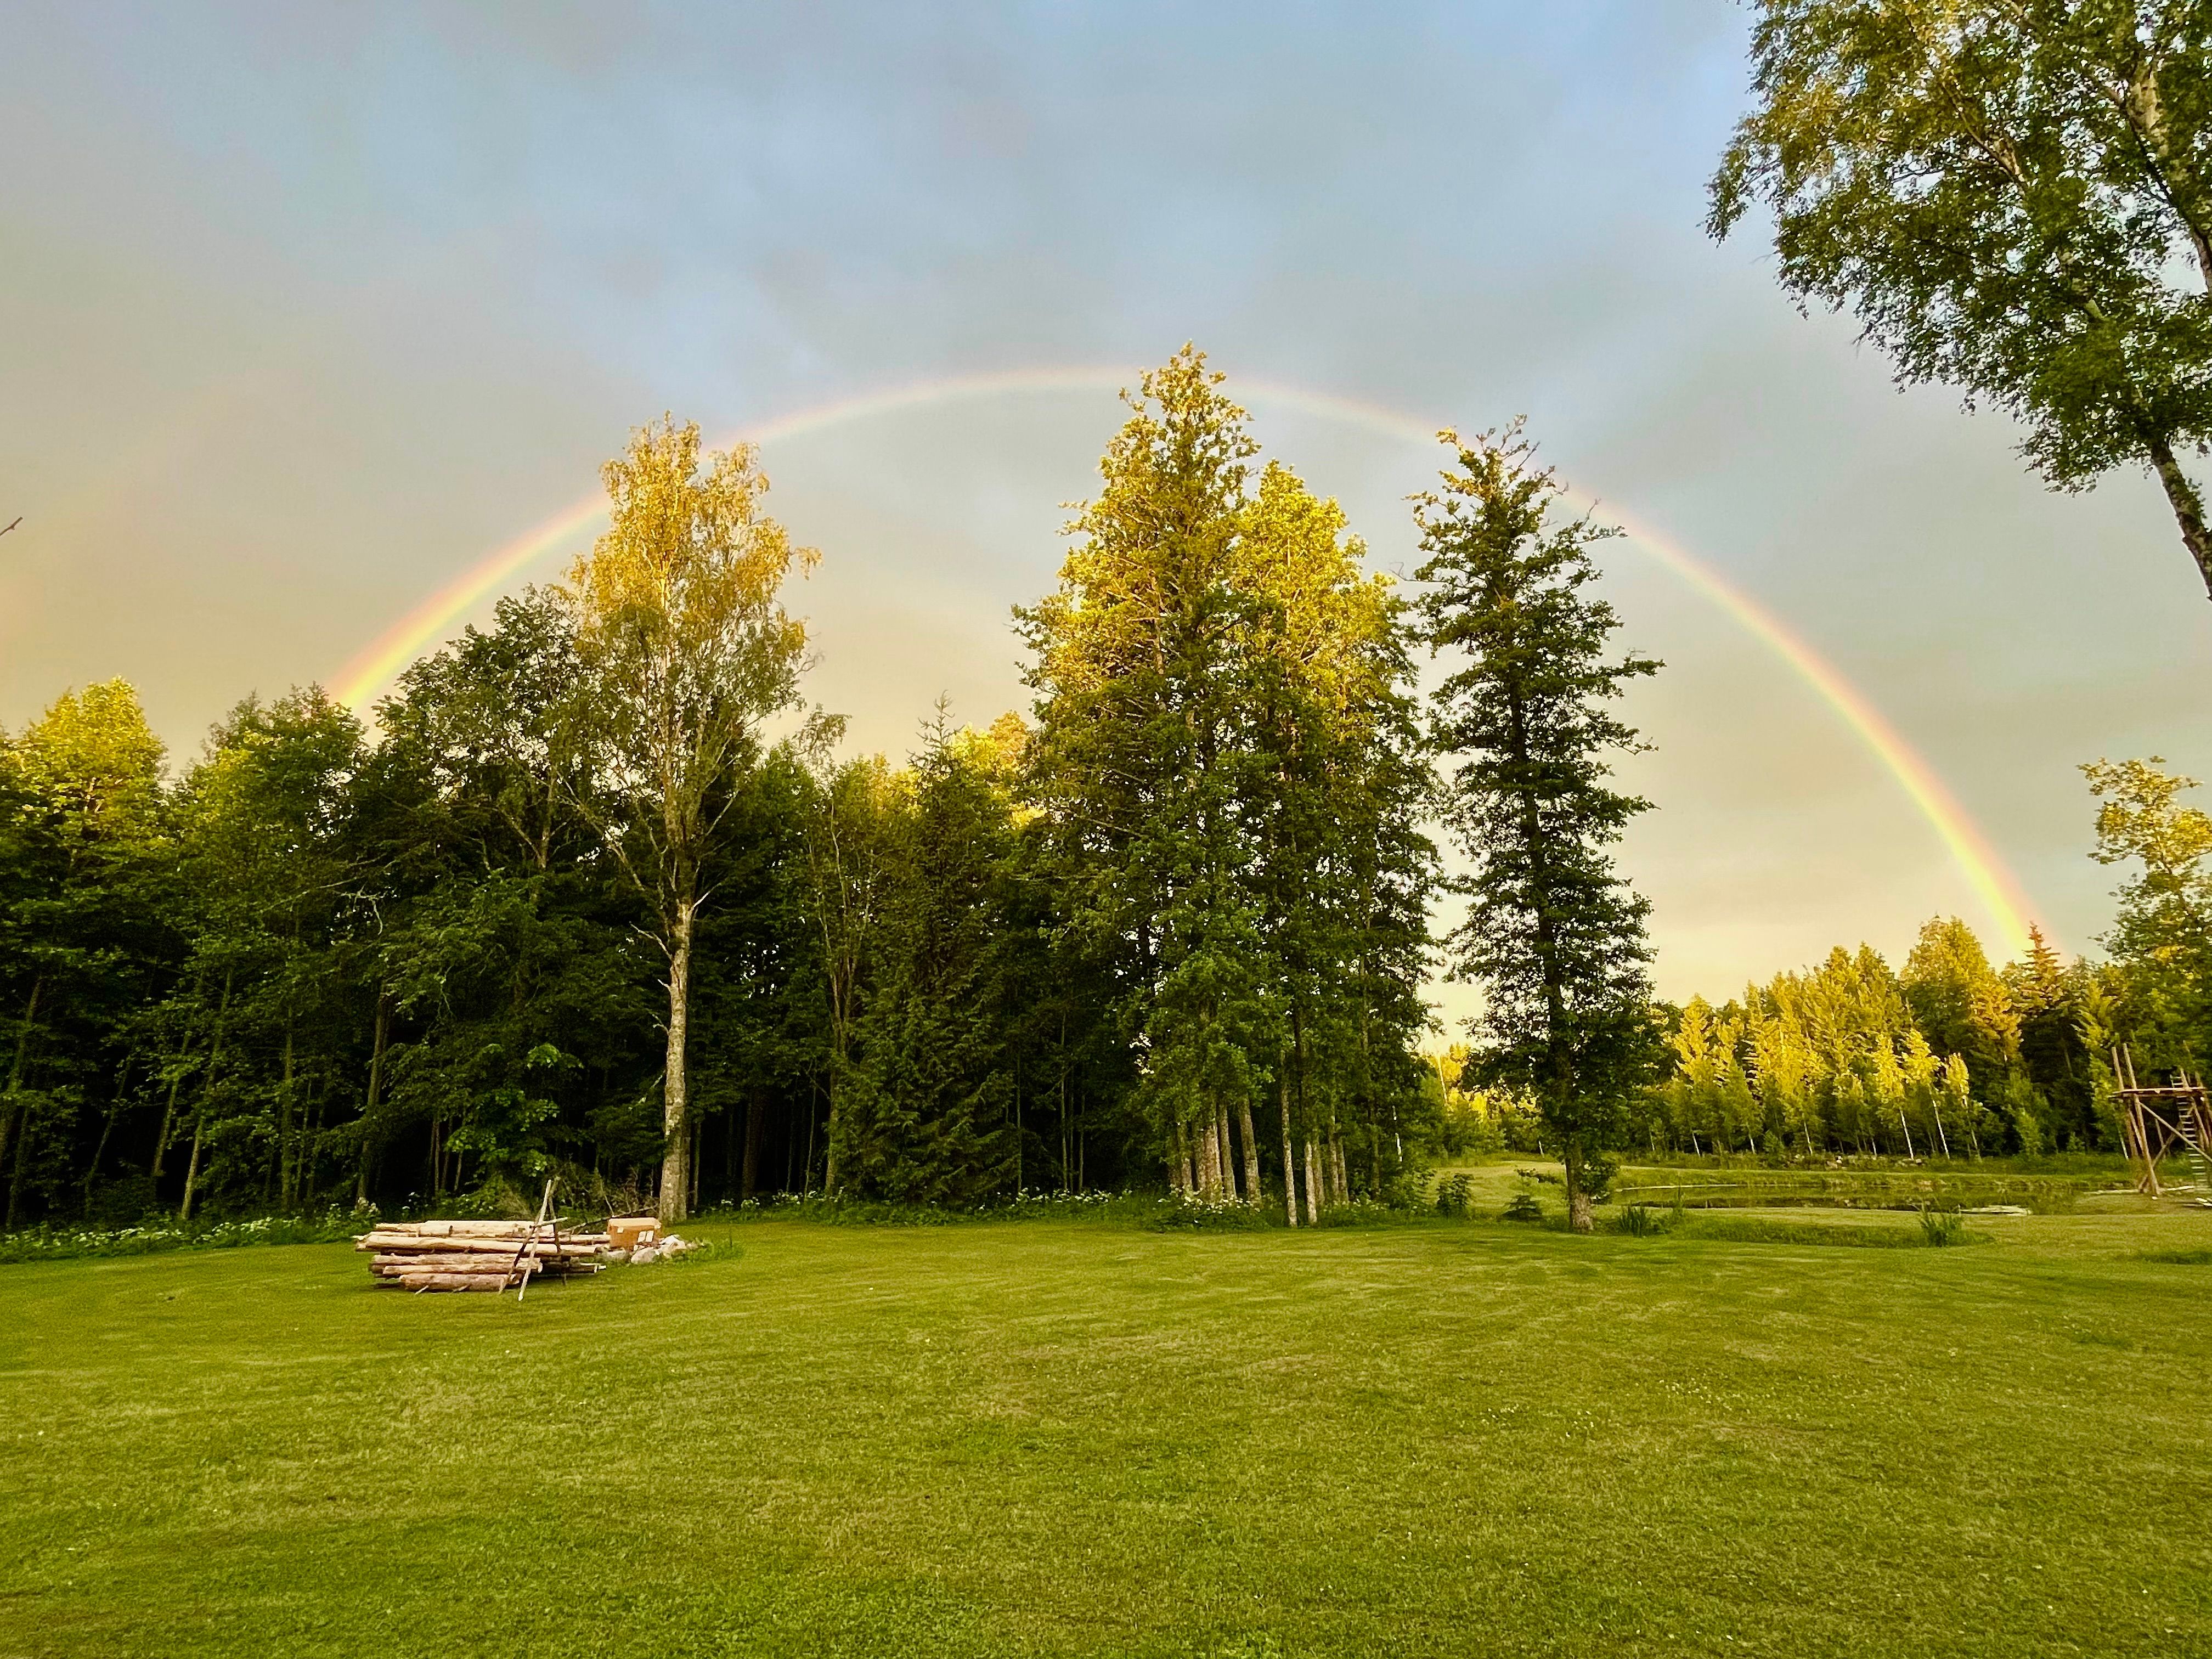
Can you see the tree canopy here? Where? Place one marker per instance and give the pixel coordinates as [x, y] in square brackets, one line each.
[2015, 197]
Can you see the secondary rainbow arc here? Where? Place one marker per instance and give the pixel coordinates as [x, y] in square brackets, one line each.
[1997, 891]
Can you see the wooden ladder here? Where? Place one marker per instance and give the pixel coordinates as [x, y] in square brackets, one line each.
[2189, 1120]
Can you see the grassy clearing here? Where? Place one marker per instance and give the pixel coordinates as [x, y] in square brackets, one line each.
[1058, 1437]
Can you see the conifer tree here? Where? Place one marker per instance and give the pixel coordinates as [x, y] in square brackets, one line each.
[1552, 935]
[1141, 749]
[928, 1118]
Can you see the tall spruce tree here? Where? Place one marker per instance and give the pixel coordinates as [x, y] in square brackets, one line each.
[1336, 784]
[1142, 747]
[1554, 936]
[929, 1118]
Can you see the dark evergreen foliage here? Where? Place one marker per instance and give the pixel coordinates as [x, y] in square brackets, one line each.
[1553, 935]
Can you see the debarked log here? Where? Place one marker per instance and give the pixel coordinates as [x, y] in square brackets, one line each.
[408, 1262]
[438, 1247]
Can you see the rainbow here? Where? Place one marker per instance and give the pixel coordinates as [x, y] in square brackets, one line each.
[1998, 891]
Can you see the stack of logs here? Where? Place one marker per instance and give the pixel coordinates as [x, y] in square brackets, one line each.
[476, 1255]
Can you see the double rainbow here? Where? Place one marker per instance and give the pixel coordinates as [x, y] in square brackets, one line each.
[2000, 893]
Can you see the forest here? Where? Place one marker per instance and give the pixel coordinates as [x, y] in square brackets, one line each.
[596, 895]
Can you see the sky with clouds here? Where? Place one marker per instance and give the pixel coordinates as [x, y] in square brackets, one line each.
[309, 306]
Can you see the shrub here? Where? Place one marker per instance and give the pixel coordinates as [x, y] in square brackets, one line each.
[1642, 1221]
[1456, 1196]
[1940, 1228]
[157, 1234]
[1189, 1210]
[1523, 1207]
[1359, 1212]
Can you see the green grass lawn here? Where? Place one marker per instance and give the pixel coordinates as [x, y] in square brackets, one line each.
[1061, 1438]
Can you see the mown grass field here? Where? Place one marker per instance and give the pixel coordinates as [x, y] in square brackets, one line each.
[1066, 1438]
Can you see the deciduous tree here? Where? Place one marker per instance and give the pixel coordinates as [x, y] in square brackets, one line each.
[687, 652]
[2014, 196]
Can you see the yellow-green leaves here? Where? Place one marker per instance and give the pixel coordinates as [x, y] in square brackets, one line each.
[687, 651]
[686, 645]
[91, 762]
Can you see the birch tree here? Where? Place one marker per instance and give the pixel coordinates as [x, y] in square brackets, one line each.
[2015, 197]
[686, 653]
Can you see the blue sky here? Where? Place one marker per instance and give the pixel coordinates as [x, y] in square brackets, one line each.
[309, 305]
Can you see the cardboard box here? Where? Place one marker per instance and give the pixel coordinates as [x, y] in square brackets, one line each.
[626, 1232]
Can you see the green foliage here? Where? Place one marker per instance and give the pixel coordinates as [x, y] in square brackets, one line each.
[927, 1117]
[1942, 1228]
[1953, 1058]
[2161, 940]
[162, 1234]
[1643, 1221]
[2002, 190]
[1552, 935]
[1456, 1196]
[1189, 1211]
[1230, 781]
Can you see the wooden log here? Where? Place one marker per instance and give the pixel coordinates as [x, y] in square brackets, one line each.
[453, 1282]
[507, 1230]
[558, 1268]
[477, 1246]
[452, 1264]
[457, 1229]
[420, 1278]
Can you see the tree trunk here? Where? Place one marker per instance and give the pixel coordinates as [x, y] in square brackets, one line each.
[375, 1094]
[1251, 1149]
[675, 1117]
[106, 1133]
[1289, 1162]
[1178, 1164]
[756, 1117]
[284, 1117]
[15, 1176]
[1316, 1199]
[806, 1171]
[1338, 1174]
[192, 1167]
[12, 1103]
[199, 1117]
[1578, 1198]
[2188, 507]
[168, 1126]
[1228, 1150]
[1209, 1162]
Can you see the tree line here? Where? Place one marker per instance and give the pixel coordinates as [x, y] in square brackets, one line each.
[599, 895]
[1950, 1055]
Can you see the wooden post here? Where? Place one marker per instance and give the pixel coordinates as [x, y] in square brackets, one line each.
[544, 1206]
